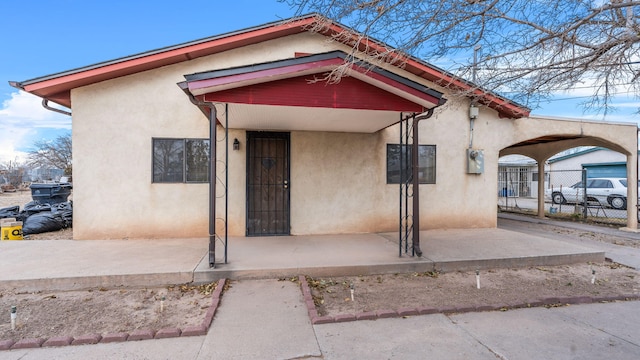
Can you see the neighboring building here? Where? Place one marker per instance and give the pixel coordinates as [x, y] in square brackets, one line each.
[566, 169]
[517, 176]
[599, 162]
[293, 153]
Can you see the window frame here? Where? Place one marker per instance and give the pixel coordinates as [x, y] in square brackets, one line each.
[184, 161]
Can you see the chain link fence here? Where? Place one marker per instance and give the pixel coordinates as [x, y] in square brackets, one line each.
[568, 194]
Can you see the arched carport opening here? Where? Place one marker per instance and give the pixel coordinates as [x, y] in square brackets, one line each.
[541, 148]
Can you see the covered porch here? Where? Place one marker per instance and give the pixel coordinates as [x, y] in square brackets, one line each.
[264, 104]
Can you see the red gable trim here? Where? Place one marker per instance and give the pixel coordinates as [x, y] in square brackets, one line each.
[350, 93]
[397, 85]
[320, 64]
[262, 75]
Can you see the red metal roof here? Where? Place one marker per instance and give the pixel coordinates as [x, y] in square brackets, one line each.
[57, 87]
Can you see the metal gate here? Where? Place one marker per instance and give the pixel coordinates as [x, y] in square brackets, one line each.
[268, 183]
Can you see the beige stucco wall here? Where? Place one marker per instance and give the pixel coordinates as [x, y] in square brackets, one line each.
[338, 180]
[114, 123]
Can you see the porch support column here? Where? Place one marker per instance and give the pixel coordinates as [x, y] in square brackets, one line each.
[541, 180]
[632, 191]
[212, 184]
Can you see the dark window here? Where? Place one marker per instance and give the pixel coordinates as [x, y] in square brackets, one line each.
[197, 160]
[180, 160]
[398, 170]
[601, 184]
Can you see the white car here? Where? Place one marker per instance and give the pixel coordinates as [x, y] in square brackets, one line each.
[607, 191]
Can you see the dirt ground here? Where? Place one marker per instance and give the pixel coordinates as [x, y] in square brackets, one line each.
[102, 311]
[499, 288]
[75, 313]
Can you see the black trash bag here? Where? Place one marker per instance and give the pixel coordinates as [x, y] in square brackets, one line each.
[34, 207]
[10, 212]
[65, 212]
[42, 222]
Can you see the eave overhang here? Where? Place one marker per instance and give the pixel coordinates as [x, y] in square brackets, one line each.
[57, 87]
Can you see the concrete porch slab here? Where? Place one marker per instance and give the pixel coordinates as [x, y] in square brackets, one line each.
[34, 265]
[335, 255]
[31, 265]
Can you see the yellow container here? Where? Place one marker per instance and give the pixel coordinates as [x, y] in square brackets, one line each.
[11, 230]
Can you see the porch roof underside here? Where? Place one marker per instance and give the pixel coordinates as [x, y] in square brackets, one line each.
[294, 95]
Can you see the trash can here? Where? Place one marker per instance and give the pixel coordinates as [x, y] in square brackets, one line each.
[50, 193]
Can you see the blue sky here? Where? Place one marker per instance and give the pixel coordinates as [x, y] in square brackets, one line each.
[43, 37]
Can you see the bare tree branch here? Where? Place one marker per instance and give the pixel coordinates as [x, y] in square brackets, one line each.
[52, 154]
[530, 48]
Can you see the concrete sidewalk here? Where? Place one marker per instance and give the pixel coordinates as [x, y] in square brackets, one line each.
[262, 319]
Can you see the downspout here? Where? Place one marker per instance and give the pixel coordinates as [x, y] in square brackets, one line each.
[212, 176]
[416, 180]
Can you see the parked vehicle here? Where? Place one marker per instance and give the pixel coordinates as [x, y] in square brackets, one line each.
[610, 192]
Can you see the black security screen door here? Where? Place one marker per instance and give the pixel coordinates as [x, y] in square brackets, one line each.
[267, 183]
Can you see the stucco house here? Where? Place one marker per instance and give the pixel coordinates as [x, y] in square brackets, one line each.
[293, 154]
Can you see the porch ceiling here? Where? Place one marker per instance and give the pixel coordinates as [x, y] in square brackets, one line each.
[294, 118]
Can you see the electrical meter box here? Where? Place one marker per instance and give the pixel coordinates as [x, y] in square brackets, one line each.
[475, 161]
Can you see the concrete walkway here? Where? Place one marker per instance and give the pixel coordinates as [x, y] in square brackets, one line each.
[266, 319]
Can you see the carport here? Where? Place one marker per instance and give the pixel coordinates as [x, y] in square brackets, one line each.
[540, 138]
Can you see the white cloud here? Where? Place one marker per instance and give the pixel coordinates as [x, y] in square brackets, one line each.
[26, 110]
[22, 120]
